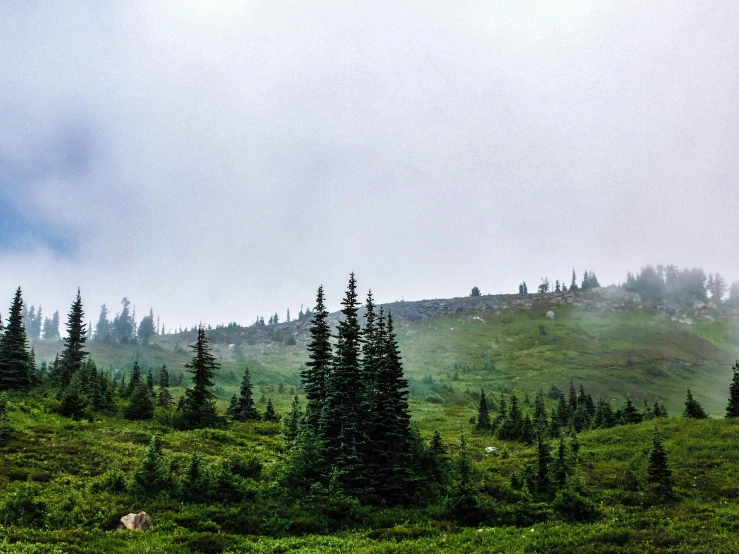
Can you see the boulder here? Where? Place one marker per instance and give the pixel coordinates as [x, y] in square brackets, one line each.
[550, 314]
[136, 522]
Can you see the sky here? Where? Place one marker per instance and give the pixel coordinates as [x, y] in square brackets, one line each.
[219, 160]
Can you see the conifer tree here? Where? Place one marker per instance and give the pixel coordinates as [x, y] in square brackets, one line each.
[543, 458]
[164, 399]
[150, 383]
[269, 413]
[693, 409]
[245, 409]
[732, 410]
[339, 421]
[135, 379]
[483, 416]
[604, 416]
[658, 471]
[199, 406]
[195, 484]
[527, 433]
[233, 407]
[540, 412]
[561, 469]
[438, 454]
[141, 405]
[74, 400]
[572, 405]
[74, 343]
[294, 419]
[464, 463]
[152, 476]
[315, 376]
[629, 413]
[391, 440]
[14, 356]
[6, 431]
[563, 412]
[573, 284]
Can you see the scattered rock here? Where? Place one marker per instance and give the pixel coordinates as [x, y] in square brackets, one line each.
[136, 522]
[490, 449]
[550, 314]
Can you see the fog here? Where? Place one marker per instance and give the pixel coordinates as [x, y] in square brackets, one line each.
[220, 160]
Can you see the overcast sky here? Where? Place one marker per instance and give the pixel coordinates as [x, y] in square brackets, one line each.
[219, 160]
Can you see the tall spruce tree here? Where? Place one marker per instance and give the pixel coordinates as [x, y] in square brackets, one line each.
[14, 356]
[74, 343]
[315, 375]
[693, 409]
[732, 410]
[391, 436]
[199, 405]
[245, 410]
[658, 471]
[164, 398]
[339, 426]
[135, 380]
[270, 414]
[483, 416]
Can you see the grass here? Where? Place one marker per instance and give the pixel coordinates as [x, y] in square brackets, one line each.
[637, 353]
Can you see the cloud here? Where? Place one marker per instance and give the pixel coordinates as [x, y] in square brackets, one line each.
[218, 161]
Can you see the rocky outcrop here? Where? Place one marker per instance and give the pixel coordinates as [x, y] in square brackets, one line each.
[136, 522]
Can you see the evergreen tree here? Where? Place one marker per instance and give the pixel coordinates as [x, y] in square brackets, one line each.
[572, 400]
[233, 407]
[14, 356]
[629, 413]
[483, 416]
[391, 439]
[659, 409]
[732, 410]
[464, 463]
[604, 416]
[693, 409]
[135, 380]
[293, 422]
[141, 405]
[152, 476]
[528, 433]
[195, 484]
[475, 292]
[438, 457]
[315, 376]
[245, 409]
[150, 383]
[561, 469]
[658, 471]
[563, 412]
[269, 413]
[102, 328]
[199, 407]
[74, 400]
[74, 343]
[540, 412]
[339, 422]
[6, 431]
[164, 399]
[573, 284]
[543, 459]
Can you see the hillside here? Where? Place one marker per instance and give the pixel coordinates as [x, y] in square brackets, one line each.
[606, 339]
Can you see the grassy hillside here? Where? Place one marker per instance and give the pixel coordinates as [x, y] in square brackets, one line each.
[64, 484]
[642, 353]
[66, 467]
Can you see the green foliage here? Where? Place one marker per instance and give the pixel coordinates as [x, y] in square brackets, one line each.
[475, 292]
[198, 408]
[658, 471]
[732, 409]
[14, 354]
[6, 431]
[141, 405]
[693, 409]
